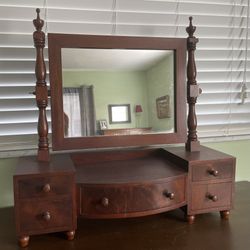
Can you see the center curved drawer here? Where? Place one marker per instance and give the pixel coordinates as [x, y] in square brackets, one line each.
[128, 200]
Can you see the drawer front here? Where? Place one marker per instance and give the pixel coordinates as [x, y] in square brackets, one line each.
[212, 171]
[211, 196]
[125, 199]
[34, 187]
[39, 216]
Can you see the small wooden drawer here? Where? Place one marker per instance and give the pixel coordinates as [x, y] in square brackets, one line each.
[34, 187]
[211, 196]
[212, 171]
[42, 216]
[100, 200]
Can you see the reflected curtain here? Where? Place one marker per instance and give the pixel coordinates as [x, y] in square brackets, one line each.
[88, 118]
[79, 111]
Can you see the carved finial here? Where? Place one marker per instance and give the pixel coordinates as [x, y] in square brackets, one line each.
[191, 29]
[38, 23]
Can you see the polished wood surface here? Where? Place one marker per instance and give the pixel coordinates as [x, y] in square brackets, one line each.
[217, 196]
[48, 186]
[134, 166]
[139, 183]
[126, 131]
[59, 164]
[210, 179]
[193, 90]
[162, 231]
[58, 41]
[117, 183]
[123, 201]
[45, 216]
[44, 197]
[41, 89]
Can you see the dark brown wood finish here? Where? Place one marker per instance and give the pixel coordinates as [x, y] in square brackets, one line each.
[128, 183]
[44, 195]
[193, 90]
[124, 182]
[163, 231]
[59, 41]
[210, 179]
[41, 90]
[132, 200]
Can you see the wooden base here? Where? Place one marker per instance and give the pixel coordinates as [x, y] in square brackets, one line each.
[43, 155]
[224, 214]
[23, 241]
[190, 219]
[70, 235]
[193, 146]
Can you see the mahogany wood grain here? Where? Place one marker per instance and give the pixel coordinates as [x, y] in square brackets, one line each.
[133, 170]
[201, 183]
[34, 187]
[125, 200]
[58, 41]
[43, 216]
[41, 89]
[88, 157]
[41, 210]
[211, 196]
[192, 143]
[213, 170]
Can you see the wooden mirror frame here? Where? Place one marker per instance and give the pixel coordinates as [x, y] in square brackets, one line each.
[58, 41]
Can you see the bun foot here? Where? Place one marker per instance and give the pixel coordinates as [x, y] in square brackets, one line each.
[190, 219]
[70, 235]
[23, 241]
[224, 214]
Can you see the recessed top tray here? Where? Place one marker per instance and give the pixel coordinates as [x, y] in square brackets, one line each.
[114, 167]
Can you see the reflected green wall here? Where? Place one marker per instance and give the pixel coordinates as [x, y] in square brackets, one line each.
[7, 167]
[239, 149]
[160, 82]
[113, 87]
[130, 87]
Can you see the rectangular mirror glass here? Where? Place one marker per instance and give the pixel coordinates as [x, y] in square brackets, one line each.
[94, 79]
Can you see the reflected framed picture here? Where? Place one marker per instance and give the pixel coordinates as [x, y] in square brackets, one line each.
[103, 124]
[163, 107]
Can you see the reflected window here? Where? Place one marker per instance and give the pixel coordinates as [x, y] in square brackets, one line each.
[119, 113]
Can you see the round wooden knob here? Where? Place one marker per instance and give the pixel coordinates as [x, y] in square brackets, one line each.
[46, 188]
[213, 172]
[46, 216]
[212, 197]
[169, 195]
[105, 202]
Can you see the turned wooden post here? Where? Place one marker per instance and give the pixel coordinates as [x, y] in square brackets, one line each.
[41, 90]
[193, 90]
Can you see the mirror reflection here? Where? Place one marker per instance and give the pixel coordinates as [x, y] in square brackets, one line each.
[117, 91]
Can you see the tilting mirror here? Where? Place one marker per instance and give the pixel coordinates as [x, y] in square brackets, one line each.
[97, 83]
[111, 91]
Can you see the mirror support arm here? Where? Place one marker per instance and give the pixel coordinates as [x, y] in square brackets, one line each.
[193, 90]
[41, 90]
